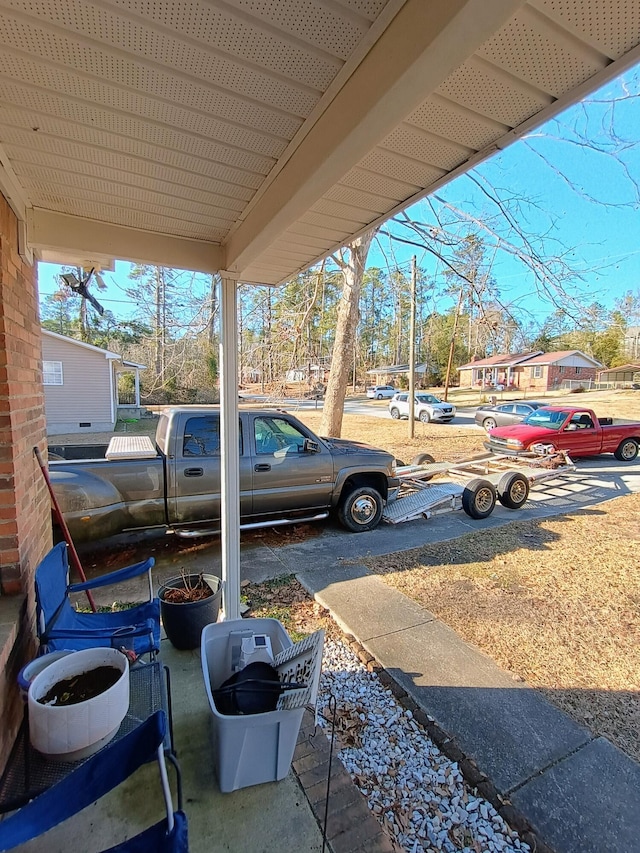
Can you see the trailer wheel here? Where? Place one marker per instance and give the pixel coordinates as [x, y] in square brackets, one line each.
[513, 490]
[422, 459]
[479, 498]
[627, 450]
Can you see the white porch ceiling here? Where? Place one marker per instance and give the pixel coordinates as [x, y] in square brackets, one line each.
[258, 135]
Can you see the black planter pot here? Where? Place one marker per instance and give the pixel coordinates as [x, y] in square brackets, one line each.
[183, 623]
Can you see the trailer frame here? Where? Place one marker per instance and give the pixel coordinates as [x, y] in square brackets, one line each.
[474, 484]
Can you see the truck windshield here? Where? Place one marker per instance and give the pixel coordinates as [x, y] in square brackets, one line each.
[546, 418]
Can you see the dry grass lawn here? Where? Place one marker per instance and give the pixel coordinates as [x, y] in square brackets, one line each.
[556, 602]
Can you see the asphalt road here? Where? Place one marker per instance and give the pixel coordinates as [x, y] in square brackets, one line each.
[372, 408]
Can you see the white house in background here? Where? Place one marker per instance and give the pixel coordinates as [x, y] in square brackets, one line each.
[81, 385]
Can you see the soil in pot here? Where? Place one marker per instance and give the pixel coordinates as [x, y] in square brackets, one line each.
[189, 590]
[80, 688]
[187, 604]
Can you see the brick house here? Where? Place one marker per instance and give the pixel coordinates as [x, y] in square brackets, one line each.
[494, 371]
[533, 370]
[552, 370]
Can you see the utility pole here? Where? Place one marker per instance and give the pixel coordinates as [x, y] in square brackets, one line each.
[412, 349]
[452, 346]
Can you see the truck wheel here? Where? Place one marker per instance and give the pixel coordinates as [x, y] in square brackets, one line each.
[627, 450]
[489, 423]
[395, 414]
[513, 490]
[361, 509]
[479, 498]
[425, 417]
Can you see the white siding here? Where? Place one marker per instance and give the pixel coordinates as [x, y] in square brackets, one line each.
[84, 396]
[576, 360]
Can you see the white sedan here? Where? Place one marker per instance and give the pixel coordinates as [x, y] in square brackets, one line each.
[427, 408]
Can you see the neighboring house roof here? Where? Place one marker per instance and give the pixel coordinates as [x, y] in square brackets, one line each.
[107, 353]
[520, 358]
[622, 368]
[502, 360]
[111, 356]
[555, 357]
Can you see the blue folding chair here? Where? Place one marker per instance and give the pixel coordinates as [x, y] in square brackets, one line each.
[95, 777]
[60, 626]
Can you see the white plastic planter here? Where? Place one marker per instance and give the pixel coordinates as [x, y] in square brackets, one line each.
[73, 732]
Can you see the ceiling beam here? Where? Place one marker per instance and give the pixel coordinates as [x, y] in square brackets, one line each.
[421, 46]
[60, 238]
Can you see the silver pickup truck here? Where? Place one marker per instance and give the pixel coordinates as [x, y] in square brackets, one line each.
[287, 474]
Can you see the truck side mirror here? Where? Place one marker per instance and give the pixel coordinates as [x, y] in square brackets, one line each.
[310, 446]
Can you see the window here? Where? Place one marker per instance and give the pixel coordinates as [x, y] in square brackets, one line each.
[201, 437]
[578, 369]
[536, 372]
[273, 434]
[52, 373]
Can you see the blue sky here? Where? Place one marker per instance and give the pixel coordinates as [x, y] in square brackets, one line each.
[602, 236]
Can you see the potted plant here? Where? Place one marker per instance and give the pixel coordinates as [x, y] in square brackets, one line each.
[77, 703]
[188, 603]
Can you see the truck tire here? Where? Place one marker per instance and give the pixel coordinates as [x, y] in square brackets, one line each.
[395, 414]
[513, 490]
[360, 509]
[627, 450]
[479, 498]
[424, 417]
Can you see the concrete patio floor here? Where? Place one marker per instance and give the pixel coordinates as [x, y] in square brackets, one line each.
[265, 818]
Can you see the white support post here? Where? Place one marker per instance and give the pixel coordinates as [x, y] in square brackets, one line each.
[136, 379]
[230, 447]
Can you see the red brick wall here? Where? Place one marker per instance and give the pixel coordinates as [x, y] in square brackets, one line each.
[25, 527]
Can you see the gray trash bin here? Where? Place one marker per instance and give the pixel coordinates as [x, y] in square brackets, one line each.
[254, 748]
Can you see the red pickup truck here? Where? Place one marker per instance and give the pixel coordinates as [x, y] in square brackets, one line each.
[576, 430]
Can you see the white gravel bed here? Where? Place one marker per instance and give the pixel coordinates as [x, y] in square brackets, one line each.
[418, 794]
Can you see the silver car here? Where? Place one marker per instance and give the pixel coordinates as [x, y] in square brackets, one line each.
[426, 408]
[379, 392]
[505, 414]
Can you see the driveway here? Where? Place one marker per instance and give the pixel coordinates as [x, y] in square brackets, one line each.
[268, 553]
